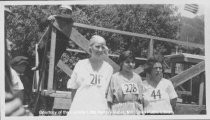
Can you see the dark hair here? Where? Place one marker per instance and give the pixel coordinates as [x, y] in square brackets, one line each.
[126, 55]
[150, 63]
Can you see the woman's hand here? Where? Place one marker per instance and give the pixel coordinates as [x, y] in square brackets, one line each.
[173, 103]
[106, 50]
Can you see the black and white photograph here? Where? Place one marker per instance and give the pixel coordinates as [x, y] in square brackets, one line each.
[113, 59]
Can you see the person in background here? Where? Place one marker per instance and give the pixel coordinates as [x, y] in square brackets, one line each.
[13, 104]
[125, 89]
[17, 84]
[89, 81]
[13, 93]
[16, 81]
[20, 65]
[64, 10]
[159, 95]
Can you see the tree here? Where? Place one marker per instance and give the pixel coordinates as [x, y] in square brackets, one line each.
[26, 28]
[192, 29]
[156, 20]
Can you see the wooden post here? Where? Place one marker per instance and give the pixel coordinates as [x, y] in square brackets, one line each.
[151, 45]
[36, 76]
[201, 89]
[173, 69]
[52, 60]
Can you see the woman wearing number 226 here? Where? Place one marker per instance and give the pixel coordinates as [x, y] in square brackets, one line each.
[89, 81]
[125, 89]
[159, 96]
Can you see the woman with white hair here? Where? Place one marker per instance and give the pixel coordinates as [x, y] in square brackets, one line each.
[89, 80]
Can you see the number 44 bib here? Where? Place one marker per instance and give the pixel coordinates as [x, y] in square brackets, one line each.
[130, 88]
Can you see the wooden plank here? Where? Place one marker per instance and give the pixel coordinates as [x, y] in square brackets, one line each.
[181, 87]
[37, 64]
[184, 92]
[193, 60]
[140, 35]
[185, 57]
[151, 46]
[52, 60]
[188, 74]
[76, 50]
[36, 76]
[62, 103]
[80, 40]
[201, 93]
[66, 95]
[57, 94]
[112, 55]
[64, 67]
[139, 70]
[173, 69]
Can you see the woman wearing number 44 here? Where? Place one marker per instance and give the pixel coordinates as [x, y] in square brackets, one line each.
[125, 89]
[89, 81]
[158, 93]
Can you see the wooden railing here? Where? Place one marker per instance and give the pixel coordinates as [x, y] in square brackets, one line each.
[150, 37]
[83, 43]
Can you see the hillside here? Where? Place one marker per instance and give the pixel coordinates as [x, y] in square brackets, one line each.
[192, 29]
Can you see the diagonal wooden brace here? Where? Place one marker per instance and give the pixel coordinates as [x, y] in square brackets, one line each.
[188, 74]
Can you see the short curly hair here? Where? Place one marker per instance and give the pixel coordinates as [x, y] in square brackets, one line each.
[125, 56]
[150, 63]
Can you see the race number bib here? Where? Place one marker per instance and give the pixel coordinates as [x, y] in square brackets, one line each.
[156, 94]
[130, 88]
[95, 79]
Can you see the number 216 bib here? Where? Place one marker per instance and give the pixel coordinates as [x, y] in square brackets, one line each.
[96, 79]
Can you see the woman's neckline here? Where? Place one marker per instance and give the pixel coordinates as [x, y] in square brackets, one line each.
[126, 75]
[153, 83]
[95, 64]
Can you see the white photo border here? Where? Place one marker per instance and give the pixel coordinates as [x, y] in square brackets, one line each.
[94, 2]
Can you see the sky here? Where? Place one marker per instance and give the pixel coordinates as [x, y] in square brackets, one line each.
[189, 14]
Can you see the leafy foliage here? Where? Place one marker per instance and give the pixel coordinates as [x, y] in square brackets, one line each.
[193, 29]
[156, 20]
[26, 27]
